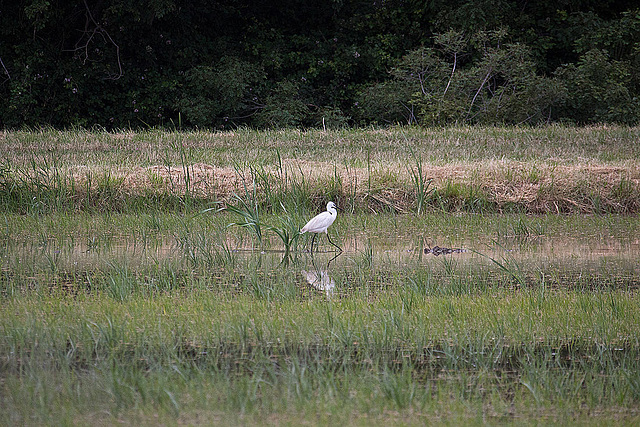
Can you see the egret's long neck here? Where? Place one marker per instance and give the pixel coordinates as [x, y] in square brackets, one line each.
[332, 211]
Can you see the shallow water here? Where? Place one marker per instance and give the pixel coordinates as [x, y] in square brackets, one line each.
[400, 250]
[603, 256]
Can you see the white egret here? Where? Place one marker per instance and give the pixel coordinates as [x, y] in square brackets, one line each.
[320, 223]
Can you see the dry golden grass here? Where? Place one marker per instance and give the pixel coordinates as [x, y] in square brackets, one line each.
[539, 187]
[550, 169]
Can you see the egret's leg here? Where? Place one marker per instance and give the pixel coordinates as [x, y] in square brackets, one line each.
[312, 239]
[334, 257]
[339, 248]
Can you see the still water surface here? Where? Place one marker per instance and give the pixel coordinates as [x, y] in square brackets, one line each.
[606, 255]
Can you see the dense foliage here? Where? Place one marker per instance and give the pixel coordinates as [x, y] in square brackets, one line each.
[213, 64]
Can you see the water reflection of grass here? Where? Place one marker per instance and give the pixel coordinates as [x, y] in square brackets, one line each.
[207, 334]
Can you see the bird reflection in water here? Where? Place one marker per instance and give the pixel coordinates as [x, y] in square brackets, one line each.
[319, 278]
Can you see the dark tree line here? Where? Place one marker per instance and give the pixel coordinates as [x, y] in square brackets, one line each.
[213, 64]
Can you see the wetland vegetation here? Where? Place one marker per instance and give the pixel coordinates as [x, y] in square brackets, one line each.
[470, 169]
[158, 277]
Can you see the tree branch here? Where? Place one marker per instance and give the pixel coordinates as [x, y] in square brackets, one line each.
[478, 91]
[5, 70]
[455, 61]
[89, 34]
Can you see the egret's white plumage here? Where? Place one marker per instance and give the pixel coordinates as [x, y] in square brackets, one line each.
[320, 223]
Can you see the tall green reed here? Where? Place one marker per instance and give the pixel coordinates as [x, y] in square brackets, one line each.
[420, 184]
[247, 208]
[288, 231]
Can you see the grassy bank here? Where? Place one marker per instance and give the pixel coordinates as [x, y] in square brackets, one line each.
[534, 170]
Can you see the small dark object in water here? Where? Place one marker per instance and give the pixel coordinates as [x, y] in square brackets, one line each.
[437, 250]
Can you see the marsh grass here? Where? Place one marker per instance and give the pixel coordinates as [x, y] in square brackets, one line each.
[421, 185]
[266, 352]
[533, 170]
[249, 213]
[288, 230]
[134, 301]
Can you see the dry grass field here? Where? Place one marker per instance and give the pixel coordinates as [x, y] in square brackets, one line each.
[534, 170]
